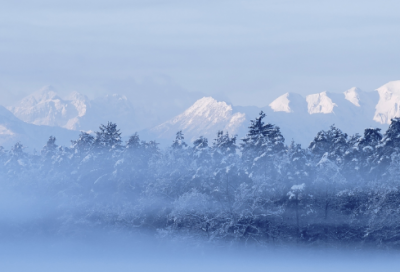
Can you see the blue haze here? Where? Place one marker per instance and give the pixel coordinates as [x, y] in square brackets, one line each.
[248, 51]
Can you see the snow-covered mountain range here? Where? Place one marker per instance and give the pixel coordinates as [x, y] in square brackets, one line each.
[299, 118]
[75, 112]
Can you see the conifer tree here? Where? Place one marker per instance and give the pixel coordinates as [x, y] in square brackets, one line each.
[333, 142]
[225, 165]
[202, 165]
[50, 148]
[83, 144]
[179, 142]
[109, 137]
[17, 161]
[389, 144]
[361, 152]
[261, 146]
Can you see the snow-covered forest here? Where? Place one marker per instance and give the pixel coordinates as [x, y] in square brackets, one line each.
[340, 190]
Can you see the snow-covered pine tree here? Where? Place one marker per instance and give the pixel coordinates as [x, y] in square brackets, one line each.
[133, 143]
[199, 145]
[202, 165]
[83, 144]
[108, 138]
[297, 167]
[263, 152]
[223, 146]
[132, 169]
[173, 169]
[49, 156]
[50, 149]
[17, 161]
[359, 157]
[55, 162]
[106, 151]
[333, 142]
[389, 145]
[179, 142]
[261, 148]
[225, 168]
[383, 208]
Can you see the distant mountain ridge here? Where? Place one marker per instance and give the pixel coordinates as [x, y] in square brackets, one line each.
[76, 112]
[299, 118]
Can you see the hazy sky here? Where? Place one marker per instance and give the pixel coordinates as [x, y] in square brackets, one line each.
[250, 51]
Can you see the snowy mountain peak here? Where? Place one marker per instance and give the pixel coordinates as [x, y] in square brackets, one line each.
[320, 103]
[353, 96]
[289, 102]
[205, 117]
[208, 107]
[76, 111]
[41, 96]
[45, 107]
[388, 106]
[281, 103]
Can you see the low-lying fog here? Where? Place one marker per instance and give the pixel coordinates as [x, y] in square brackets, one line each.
[128, 253]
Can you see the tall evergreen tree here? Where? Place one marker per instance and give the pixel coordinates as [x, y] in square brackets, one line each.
[83, 144]
[333, 142]
[225, 168]
[389, 144]
[360, 155]
[260, 148]
[50, 148]
[109, 137]
[179, 142]
[17, 162]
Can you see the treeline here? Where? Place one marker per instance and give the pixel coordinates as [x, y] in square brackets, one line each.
[339, 190]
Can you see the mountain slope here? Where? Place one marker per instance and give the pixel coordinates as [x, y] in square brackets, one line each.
[14, 130]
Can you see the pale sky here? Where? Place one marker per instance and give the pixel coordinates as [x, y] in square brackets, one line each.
[248, 52]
